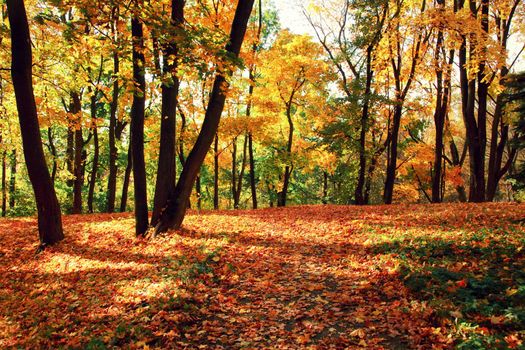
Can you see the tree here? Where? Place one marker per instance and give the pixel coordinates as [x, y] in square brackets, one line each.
[350, 50]
[173, 215]
[292, 67]
[49, 214]
[137, 123]
[166, 169]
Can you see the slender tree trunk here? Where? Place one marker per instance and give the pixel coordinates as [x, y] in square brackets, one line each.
[125, 184]
[233, 183]
[166, 169]
[237, 198]
[369, 176]
[137, 126]
[53, 151]
[216, 173]
[281, 196]
[4, 185]
[77, 165]
[253, 185]
[94, 168]
[12, 181]
[359, 195]
[198, 192]
[70, 152]
[49, 215]
[476, 133]
[392, 159]
[173, 216]
[325, 188]
[112, 177]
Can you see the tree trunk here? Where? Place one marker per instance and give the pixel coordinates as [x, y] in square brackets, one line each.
[49, 215]
[137, 126]
[216, 173]
[359, 195]
[12, 181]
[237, 198]
[166, 169]
[325, 188]
[392, 157]
[125, 184]
[281, 196]
[173, 216]
[94, 168]
[70, 152]
[476, 129]
[112, 177]
[53, 151]
[253, 184]
[4, 185]
[79, 144]
[198, 192]
[234, 171]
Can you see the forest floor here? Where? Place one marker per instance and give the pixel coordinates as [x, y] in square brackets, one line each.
[319, 277]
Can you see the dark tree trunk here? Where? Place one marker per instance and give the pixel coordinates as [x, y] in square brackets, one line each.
[12, 181]
[166, 169]
[443, 81]
[237, 198]
[325, 188]
[70, 152]
[216, 173]
[173, 216]
[137, 126]
[392, 156]
[234, 171]
[476, 129]
[281, 196]
[112, 177]
[4, 184]
[49, 215]
[96, 153]
[125, 184]
[253, 185]
[359, 195]
[369, 176]
[500, 128]
[198, 192]
[77, 165]
[53, 151]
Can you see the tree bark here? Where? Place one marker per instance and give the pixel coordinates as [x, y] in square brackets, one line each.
[166, 169]
[173, 216]
[198, 192]
[53, 151]
[137, 125]
[325, 188]
[359, 195]
[12, 181]
[4, 184]
[253, 185]
[216, 173]
[125, 184]
[282, 195]
[96, 153]
[49, 215]
[75, 109]
[112, 177]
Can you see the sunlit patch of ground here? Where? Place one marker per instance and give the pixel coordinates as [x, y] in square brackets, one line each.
[320, 277]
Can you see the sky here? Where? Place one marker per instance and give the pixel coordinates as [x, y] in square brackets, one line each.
[291, 15]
